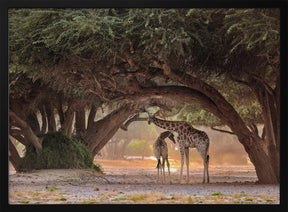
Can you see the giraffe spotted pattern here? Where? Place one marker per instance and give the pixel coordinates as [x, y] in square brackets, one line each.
[188, 137]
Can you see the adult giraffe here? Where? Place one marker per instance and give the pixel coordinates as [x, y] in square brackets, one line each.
[187, 137]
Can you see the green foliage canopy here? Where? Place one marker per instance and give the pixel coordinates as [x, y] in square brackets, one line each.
[194, 37]
[63, 45]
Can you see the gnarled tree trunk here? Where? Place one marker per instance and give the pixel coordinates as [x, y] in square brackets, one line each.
[262, 162]
[101, 131]
[270, 104]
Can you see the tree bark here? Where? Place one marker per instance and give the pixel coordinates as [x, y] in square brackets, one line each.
[91, 116]
[33, 122]
[60, 109]
[68, 121]
[50, 116]
[80, 121]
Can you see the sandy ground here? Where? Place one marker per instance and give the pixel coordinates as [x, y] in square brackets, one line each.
[135, 181]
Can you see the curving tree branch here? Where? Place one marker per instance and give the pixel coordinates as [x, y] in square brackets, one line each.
[27, 131]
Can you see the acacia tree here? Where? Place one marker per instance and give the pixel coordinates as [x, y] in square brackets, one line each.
[133, 55]
[258, 44]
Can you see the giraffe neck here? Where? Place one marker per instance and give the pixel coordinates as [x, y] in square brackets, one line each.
[168, 125]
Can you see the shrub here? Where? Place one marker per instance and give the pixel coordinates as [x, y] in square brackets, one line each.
[59, 152]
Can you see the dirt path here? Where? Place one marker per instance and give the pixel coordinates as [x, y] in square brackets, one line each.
[135, 182]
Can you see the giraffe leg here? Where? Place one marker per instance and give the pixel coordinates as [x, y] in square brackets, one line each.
[187, 163]
[206, 165]
[205, 158]
[207, 172]
[168, 166]
[204, 174]
[182, 162]
[158, 167]
[163, 167]
[161, 172]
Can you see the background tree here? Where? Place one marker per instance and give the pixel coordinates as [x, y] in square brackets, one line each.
[116, 148]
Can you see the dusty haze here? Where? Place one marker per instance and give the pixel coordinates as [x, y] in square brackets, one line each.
[224, 149]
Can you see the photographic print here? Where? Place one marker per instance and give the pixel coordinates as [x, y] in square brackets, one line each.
[144, 106]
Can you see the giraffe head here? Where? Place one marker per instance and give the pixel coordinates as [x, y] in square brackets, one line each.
[168, 134]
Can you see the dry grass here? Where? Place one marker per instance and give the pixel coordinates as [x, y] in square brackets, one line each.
[37, 197]
[163, 198]
[116, 197]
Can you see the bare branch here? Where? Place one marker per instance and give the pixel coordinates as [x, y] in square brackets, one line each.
[223, 131]
[134, 118]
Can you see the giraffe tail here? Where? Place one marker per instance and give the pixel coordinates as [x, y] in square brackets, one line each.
[158, 164]
[207, 158]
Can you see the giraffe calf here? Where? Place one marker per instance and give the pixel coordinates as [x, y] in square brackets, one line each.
[160, 149]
